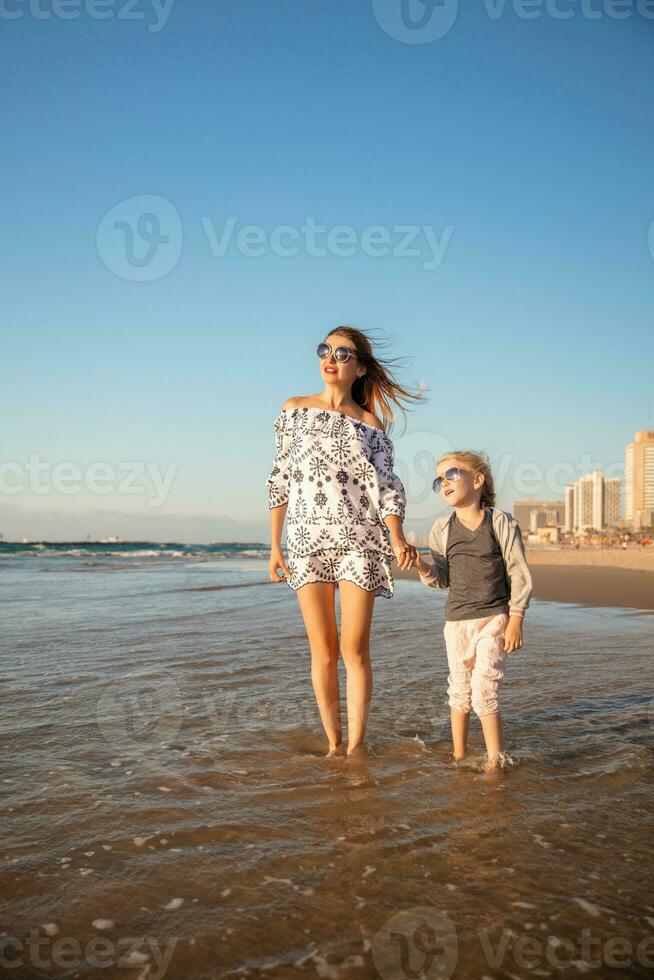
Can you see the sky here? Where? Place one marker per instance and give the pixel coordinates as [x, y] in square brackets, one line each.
[196, 194]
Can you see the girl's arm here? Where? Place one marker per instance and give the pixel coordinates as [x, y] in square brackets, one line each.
[437, 574]
[520, 584]
[518, 574]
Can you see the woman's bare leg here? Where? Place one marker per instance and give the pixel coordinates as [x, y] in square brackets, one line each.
[356, 618]
[317, 607]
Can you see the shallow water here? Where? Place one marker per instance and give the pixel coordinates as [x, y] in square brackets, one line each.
[164, 788]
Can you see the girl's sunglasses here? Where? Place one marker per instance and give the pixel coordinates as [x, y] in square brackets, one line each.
[341, 354]
[452, 475]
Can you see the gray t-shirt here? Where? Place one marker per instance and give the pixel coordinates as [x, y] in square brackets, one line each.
[479, 584]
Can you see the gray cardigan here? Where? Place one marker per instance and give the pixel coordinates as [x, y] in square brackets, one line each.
[507, 532]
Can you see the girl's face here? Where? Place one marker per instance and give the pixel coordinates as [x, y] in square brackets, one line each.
[342, 373]
[465, 490]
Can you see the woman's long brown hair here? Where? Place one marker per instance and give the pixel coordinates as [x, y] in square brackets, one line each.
[378, 391]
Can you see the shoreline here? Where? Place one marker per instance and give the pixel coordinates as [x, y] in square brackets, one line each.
[587, 578]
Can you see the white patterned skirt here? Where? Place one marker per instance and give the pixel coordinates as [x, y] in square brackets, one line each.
[370, 570]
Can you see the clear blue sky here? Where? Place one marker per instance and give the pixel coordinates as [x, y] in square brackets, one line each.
[530, 138]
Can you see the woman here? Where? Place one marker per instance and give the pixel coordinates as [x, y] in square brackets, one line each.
[333, 479]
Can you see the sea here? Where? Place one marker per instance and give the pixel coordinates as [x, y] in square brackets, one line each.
[168, 810]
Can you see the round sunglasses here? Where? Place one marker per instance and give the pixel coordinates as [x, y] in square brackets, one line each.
[451, 475]
[341, 354]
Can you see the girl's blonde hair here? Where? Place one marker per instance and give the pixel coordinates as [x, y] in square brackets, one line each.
[378, 391]
[478, 463]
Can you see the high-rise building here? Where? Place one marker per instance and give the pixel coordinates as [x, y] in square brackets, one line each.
[612, 503]
[543, 518]
[639, 480]
[588, 499]
[593, 503]
[523, 510]
[569, 524]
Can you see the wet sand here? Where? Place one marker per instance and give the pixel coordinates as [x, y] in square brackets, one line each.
[169, 814]
[590, 577]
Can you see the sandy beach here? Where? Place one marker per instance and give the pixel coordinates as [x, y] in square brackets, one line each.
[590, 576]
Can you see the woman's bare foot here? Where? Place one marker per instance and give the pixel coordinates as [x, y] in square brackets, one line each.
[336, 751]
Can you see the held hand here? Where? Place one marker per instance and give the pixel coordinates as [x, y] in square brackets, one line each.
[415, 557]
[422, 566]
[405, 554]
[513, 634]
[276, 562]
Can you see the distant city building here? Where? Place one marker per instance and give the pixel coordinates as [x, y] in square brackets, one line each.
[589, 501]
[612, 502]
[639, 480]
[545, 535]
[569, 524]
[593, 503]
[543, 518]
[524, 509]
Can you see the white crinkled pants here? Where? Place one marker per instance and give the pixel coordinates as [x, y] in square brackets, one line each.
[475, 656]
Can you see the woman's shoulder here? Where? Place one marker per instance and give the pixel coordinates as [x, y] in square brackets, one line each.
[371, 419]
[297, 401]
[287, 417]
[309, 401]
[291, 403]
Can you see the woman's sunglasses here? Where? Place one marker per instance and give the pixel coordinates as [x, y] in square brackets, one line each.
[341, 354]
[451, 475]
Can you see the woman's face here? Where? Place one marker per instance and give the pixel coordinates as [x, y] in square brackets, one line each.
[343, 373]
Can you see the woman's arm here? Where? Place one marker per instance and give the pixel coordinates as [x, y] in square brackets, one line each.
[278, 485]
[405, 553]
[392, 499]
[277, 560]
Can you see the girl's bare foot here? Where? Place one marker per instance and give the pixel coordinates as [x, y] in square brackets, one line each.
[500, 761]
[358, 751]
[335, 751]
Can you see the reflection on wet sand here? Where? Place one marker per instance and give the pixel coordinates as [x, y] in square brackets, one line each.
[166, 780]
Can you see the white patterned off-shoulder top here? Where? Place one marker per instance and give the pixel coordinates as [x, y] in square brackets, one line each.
[335, 473]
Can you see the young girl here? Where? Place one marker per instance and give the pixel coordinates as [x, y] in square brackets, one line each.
[477, 553]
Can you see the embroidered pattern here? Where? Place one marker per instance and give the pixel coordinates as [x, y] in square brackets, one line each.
[336, 475]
